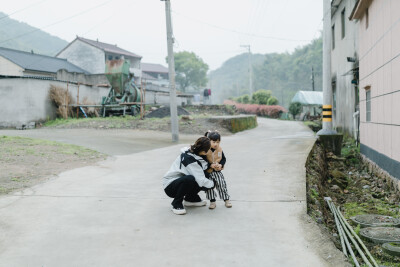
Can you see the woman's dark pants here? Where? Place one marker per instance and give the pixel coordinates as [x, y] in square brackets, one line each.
[184, 187]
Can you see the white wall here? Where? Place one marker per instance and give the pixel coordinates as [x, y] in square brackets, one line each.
[9, 68]
[23, 100]
[85, 56]
[344, 47]
[380, 70]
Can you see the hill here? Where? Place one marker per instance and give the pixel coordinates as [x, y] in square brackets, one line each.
[284, 74]
[19, 35]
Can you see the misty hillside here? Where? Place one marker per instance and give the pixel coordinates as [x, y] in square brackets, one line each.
[284, 74]
[20, 36]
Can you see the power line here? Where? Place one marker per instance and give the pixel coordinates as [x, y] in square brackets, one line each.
[243, 33]
[57, 22]
[22, 9]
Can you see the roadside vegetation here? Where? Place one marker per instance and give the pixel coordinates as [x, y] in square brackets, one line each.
[26, 161]
[352, 187]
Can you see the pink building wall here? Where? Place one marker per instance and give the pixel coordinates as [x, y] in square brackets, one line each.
[379, 62]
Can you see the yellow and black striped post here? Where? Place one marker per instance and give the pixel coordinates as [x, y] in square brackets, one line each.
[327, 113]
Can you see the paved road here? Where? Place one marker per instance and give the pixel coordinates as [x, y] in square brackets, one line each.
[116, 213]
[110, 142]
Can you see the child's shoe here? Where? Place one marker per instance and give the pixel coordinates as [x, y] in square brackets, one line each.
[228, 204]
[213, 205]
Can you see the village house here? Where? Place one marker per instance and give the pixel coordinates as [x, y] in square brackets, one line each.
[92, 55]
[379, 63]
[344, 68]
[155, 74]
[20, 63]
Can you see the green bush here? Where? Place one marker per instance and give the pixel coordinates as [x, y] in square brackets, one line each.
[245, 99]
[295, 108]
[239, 99]
[261, 97]
[272, 101]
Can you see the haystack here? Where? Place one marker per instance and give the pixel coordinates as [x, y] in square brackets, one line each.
[61, 98]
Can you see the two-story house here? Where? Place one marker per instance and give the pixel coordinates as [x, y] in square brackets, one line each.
[379, 63]
[92, 55]
[344, 68]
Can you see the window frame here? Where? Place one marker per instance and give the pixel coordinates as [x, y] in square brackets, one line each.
[368, 105]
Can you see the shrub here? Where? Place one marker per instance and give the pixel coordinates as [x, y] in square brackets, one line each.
[245, 99]
[261, 97]
[272, 101]
[295, 108]
[260, 110]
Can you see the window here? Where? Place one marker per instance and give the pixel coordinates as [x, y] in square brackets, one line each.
[366, 18]
[343, 23]
[333, 36]
[368, 105]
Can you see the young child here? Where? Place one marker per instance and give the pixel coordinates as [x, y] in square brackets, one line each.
[217, 160]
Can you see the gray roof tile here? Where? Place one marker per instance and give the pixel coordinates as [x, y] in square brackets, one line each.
[36, 62]
[109, 47]
[150, 67]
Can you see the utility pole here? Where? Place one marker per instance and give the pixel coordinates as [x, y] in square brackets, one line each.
[250, 71]
[171, 72]
[312, 78]
[327, 128]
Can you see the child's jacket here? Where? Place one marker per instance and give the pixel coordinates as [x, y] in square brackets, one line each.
[216, 156]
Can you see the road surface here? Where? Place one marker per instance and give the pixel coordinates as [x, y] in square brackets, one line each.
[116, 213]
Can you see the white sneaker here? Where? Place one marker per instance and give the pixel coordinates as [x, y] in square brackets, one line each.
[195, 204]
[179, 211]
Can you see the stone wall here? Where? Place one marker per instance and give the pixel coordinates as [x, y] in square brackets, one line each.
[378, 171]
[236, 123]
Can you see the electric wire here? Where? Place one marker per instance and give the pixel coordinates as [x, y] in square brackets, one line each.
[57, 22]
[242, 33]
[22, 9]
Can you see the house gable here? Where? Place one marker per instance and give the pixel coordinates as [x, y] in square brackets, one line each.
[9, 68]
[85, 56]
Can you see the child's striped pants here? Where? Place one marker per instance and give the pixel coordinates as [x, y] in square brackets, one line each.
[220, 185]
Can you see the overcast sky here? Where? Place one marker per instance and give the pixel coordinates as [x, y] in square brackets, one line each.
[213, 29]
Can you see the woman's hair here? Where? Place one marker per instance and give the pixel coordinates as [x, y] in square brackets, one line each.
[201, 144]
[213, 135]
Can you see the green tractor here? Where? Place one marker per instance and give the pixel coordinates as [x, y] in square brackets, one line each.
[123, 96]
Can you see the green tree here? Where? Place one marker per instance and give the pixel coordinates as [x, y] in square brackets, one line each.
[282, 73]
[272, 101]
[295, 108]
[261, 97]
[245, 99]
[190, 70]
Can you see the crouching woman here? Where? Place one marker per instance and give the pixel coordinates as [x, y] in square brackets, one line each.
[187, 176]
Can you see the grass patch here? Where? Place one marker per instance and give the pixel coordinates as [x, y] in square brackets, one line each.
[375, 206]
[70, 121]
[15, 145]
[313, 125]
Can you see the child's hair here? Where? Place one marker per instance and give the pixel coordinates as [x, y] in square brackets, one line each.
[213, 135]
[201, 144]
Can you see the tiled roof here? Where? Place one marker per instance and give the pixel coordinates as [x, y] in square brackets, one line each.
[36, 62]
[147, 76]
[150, 67]
[108, 47]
